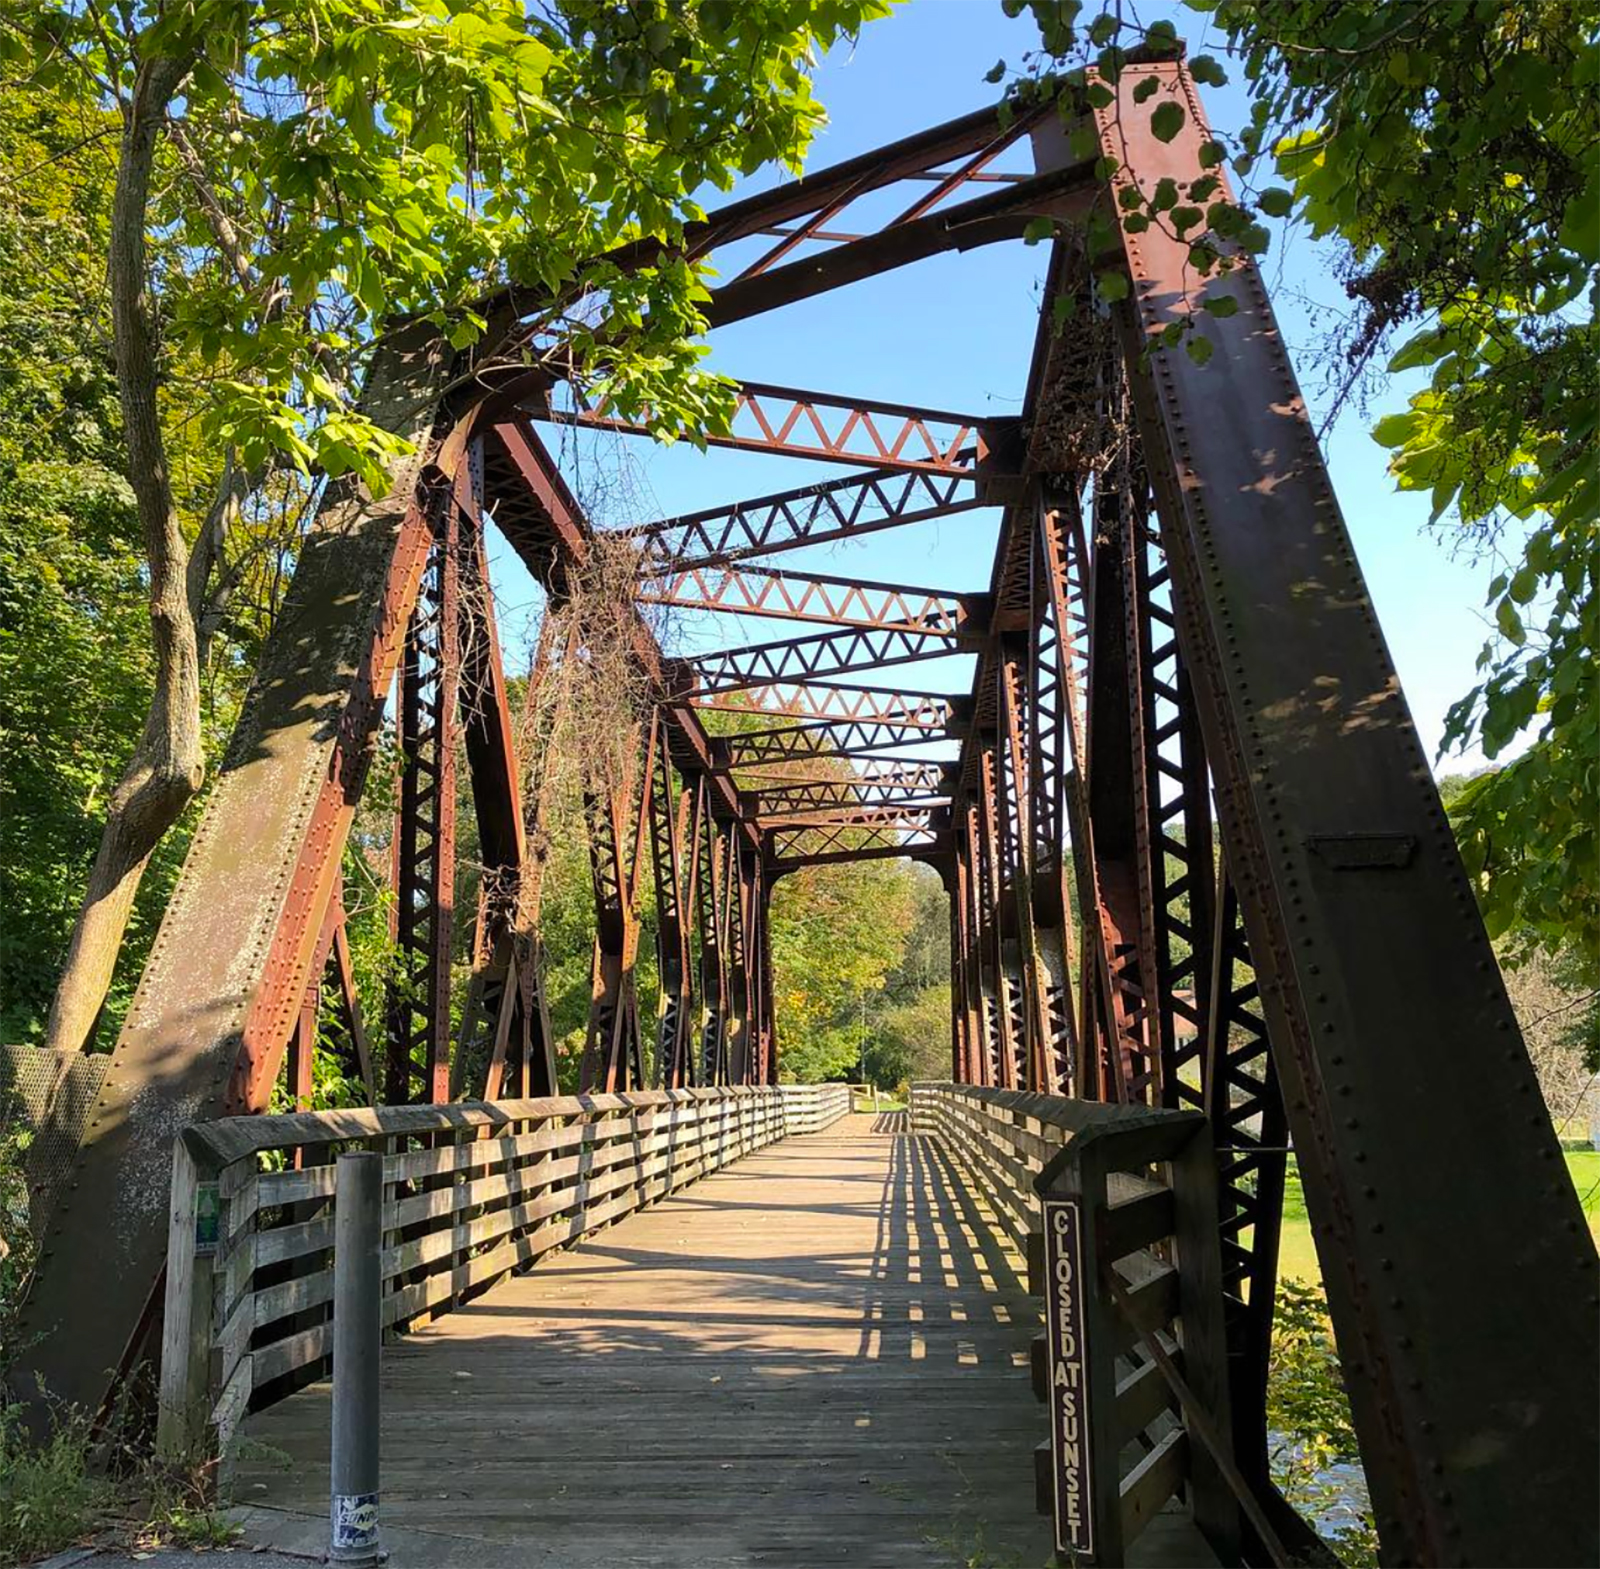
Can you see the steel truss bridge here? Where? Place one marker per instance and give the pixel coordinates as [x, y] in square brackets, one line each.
[1204, 902]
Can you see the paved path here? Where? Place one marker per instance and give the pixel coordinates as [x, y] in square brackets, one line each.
[817, 1356]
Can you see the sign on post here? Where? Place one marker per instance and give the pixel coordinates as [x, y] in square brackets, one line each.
[1069, 1376]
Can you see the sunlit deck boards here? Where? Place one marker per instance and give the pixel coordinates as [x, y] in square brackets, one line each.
[817, 1356]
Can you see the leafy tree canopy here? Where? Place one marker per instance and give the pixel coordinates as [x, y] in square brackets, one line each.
[338, 163]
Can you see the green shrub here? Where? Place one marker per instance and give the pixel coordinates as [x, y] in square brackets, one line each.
[1308, 1418]
[50, 1495]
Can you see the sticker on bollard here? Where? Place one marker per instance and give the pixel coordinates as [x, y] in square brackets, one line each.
[355, 1524]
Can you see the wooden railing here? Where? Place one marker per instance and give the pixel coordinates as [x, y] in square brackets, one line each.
[809, 1108]
[1114, 1209]
[472, 1191]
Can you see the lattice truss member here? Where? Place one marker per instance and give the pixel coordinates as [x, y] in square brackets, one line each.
[1194, 853]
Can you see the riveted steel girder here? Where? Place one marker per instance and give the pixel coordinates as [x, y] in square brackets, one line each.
[788, 422]
[1382, 997]
[846, 508]
[804, 596]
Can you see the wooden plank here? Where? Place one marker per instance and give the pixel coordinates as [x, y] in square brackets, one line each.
[796, 1362]
[1137, 1223]
[1148, 1486]
[1142, 1396]
[186, 1323]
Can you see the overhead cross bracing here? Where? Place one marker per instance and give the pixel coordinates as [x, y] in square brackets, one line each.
[1194, 854]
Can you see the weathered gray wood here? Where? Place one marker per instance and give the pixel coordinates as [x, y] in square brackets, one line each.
[1137, 1223]
[1148, 1486]
[1142, 1396]
[797, 1355]
[499, 1185]
[1198, 1256]
[186, 1321]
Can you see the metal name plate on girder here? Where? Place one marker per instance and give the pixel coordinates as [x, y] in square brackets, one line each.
[1069, 1375]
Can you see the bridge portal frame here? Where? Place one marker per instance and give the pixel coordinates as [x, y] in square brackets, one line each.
[1176, 642]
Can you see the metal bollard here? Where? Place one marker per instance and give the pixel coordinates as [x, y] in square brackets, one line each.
[357, 1331]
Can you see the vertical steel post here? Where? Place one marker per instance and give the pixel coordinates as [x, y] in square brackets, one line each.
[425, 832]
[357, 1336]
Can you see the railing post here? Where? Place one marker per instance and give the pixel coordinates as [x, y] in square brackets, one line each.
[357, 1328]
[185, 1395]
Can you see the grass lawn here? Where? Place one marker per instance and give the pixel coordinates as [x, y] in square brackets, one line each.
[1298, 1257]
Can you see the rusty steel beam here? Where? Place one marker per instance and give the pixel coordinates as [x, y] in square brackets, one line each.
[792, 423]
[766, 1006]
[1059, 562]
[417, 1064]
[618, 813]
[825, 739]
[917, 813]
[1042, 1052]
[804, 596]
[717, 853]
[934, 852]
[907, 158]
[1244, 1101]
[810, 228]
[816, 706]
[793, 847]
[997, 1002]
[849, 507]
[211, 1019]
[673, 833]
[821, 654]
[1380, 988]
[825, 700]
[738, 1014]
[1110, 827]
[494, 993]
[1066, 194]
[890, 777]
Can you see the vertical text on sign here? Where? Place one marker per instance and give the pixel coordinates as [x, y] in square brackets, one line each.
[1069, 1383]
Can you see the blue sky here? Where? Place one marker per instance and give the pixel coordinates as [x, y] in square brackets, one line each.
[956, 332]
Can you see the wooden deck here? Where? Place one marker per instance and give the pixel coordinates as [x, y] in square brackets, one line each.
[817, 1356]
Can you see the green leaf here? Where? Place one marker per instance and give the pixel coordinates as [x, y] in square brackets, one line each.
[1208, 71]
[1510, 623]
[995, 72]
[1038, 229]
[1221, 305]
[1276, 202]
[1166, 121]
[1199, 349]
[1146, 88]
[1395, 430]
[1112, 286]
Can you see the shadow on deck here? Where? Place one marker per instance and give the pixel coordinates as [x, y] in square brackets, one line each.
[818, 1355]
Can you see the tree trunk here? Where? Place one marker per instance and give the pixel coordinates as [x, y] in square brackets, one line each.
[168, 764]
